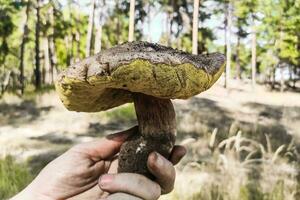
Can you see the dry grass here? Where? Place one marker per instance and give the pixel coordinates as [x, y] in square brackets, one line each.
[237, 168]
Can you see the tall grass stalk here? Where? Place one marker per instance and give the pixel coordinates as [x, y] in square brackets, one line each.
[13, 177]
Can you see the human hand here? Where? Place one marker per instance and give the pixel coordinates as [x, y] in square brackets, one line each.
[77, 171]
[121, 186]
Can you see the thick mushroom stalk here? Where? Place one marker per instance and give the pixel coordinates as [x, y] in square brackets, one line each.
[157, 132]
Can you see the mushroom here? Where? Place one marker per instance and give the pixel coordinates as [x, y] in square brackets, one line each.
[150, 75]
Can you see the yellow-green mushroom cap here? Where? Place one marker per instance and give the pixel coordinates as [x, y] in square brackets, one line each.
[108, 79]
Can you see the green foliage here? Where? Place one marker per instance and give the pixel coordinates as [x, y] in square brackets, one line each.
[212, 193]
[122, 114]
[13, 177]
[283, 36]
[7, 26]
[206, 37]
[278, 191]
[251, 191]
[116, 24]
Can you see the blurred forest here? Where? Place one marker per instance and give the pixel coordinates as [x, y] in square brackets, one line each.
[38, 38]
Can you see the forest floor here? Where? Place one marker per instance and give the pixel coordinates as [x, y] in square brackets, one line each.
[37, 130]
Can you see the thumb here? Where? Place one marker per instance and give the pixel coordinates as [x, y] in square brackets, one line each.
[106, 147]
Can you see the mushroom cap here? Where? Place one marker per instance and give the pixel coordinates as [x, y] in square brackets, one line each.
[107, 79]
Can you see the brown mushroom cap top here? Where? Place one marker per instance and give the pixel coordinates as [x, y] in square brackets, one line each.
[108, 79]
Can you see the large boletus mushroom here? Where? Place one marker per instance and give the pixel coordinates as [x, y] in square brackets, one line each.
[148, 75]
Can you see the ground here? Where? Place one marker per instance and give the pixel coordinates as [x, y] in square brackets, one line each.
[38, 129]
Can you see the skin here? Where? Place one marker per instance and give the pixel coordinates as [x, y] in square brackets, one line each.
[89, 171]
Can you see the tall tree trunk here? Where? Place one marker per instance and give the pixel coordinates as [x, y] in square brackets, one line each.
[24, 40]
[279, 65]
[168, 28]
[118, 22]
[225, 32]
[98, 38]
[90, 30]
[273, 77]
[253, 55]
[290, 68]
[149, 21]
[77, 38]
[281, 79]
[195, 26]
[53, 59]
[171, 15]
[297, 66]
[68, 45]
[51, 46]
[72, 35]
[295, 73]
[77, 33]
[47, 63]
[43, 62]
[131, 21]
[5, 83]
[238, 64]
[228, 45]
[73, 38]
[98, 42]
[37, 47]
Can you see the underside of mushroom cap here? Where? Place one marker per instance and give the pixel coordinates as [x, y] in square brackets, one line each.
[108, 79]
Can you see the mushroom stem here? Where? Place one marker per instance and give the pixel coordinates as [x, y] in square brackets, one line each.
[157, 132]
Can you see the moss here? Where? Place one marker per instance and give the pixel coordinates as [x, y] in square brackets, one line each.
[98, 93]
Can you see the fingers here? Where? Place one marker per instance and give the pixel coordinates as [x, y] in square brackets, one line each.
[138, 185]
[163, 169]
[106, 147]
[121, 196]
[134, 184]
[177, 154]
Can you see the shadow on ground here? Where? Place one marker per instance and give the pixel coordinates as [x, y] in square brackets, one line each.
[200, 116]
[96, 129]
[276, 121]
[55, 138]
[16, 114]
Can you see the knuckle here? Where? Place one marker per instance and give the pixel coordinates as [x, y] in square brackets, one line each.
[168, 190]
[140, 180]
[168, 184]
[172, 174]
[156, 192]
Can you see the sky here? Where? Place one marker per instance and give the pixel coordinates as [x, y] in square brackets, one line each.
[157, 25]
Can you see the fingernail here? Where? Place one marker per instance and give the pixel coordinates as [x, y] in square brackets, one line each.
[105, 180]
[159, 160]
[154, 156]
